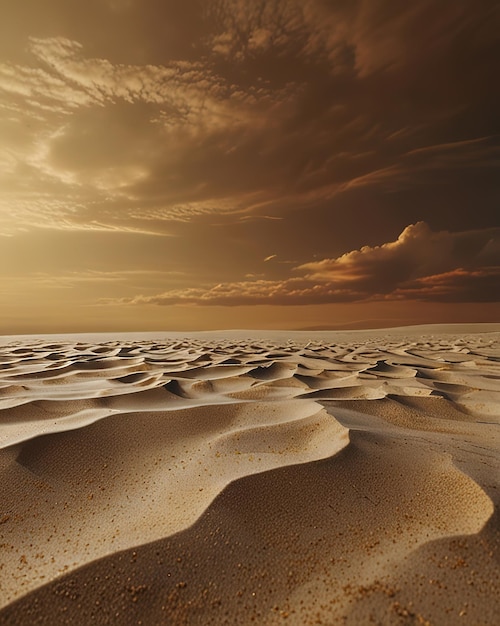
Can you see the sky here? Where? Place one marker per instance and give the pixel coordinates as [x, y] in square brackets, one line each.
[212, 164]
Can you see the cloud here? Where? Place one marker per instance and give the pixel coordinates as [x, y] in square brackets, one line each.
[270, 257]
[480, 285]
[420, 265]
[417, 252]
[177, 137]
[294, 291]
[81, 282]
[365, 36]
[419, 165]
[158, 114]
[258, 218]
[186, 94]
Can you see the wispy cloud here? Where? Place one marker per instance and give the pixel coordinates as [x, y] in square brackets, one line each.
[416, 166]
[458, 285]
[78, 280]
[366, 36]
[154, 118]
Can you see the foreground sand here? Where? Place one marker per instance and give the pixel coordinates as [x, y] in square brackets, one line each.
[333, 478]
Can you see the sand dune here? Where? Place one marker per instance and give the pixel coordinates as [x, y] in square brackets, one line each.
[230, 480]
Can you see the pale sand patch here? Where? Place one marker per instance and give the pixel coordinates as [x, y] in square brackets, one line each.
[201, 481]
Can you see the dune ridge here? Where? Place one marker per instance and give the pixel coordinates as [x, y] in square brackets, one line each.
[297, 480]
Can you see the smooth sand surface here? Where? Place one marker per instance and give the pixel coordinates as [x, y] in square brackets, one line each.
[232, 478]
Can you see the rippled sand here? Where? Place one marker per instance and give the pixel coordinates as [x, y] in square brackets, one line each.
[323, 478]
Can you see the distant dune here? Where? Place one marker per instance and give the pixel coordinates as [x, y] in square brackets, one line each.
[239, 477]
[379, 325]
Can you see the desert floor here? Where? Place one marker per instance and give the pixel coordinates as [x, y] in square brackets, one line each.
[239, 478]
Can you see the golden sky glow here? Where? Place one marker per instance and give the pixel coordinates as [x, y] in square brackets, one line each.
[237, 163]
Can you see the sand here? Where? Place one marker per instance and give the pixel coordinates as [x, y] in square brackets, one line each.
[239, 478]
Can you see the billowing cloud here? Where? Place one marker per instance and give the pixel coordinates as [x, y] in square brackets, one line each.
[419, 265]
[417, 252]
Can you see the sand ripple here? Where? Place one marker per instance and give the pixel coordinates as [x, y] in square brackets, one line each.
[110, 446]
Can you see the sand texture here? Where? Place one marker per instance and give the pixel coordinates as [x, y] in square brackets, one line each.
[320, 478]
